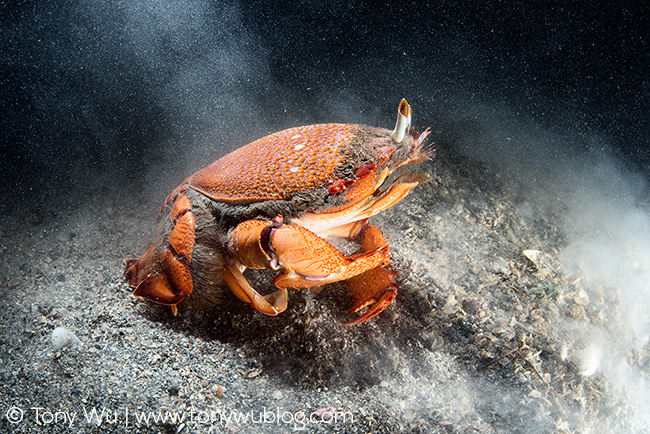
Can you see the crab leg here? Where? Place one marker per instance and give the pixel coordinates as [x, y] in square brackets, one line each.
[164, 276]
[271, 304]
[376, 287]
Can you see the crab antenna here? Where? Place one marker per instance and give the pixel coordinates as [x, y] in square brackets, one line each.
[403, 121]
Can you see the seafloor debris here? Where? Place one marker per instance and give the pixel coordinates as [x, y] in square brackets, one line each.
[62, 337]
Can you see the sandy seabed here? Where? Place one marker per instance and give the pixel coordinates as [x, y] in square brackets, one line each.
[482, 338]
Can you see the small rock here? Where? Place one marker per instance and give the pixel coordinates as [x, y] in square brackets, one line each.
[62, 337]
[217, 390]
[535, 394]
[277, 395]
[532, 255]
[326, 414]
[581, 298]
[471, 306]
[450, 305]
[174, 388]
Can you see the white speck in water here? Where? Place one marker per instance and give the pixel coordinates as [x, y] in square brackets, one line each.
[293, 169]
[298, 147]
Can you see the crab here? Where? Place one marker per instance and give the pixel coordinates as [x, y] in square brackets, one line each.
[271, 205]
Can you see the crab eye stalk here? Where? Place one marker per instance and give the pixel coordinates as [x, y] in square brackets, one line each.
[403, 121]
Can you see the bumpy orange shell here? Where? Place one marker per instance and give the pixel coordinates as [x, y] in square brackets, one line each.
[276, 166]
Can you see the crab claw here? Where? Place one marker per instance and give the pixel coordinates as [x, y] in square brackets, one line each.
[375, 288]
[250, 249]
[306, 260]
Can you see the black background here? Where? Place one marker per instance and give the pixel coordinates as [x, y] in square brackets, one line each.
[112, 96]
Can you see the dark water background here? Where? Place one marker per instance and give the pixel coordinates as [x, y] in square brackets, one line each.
[106, 106]
[106, 97]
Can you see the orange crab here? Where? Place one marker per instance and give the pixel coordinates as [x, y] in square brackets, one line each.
[270, 205]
